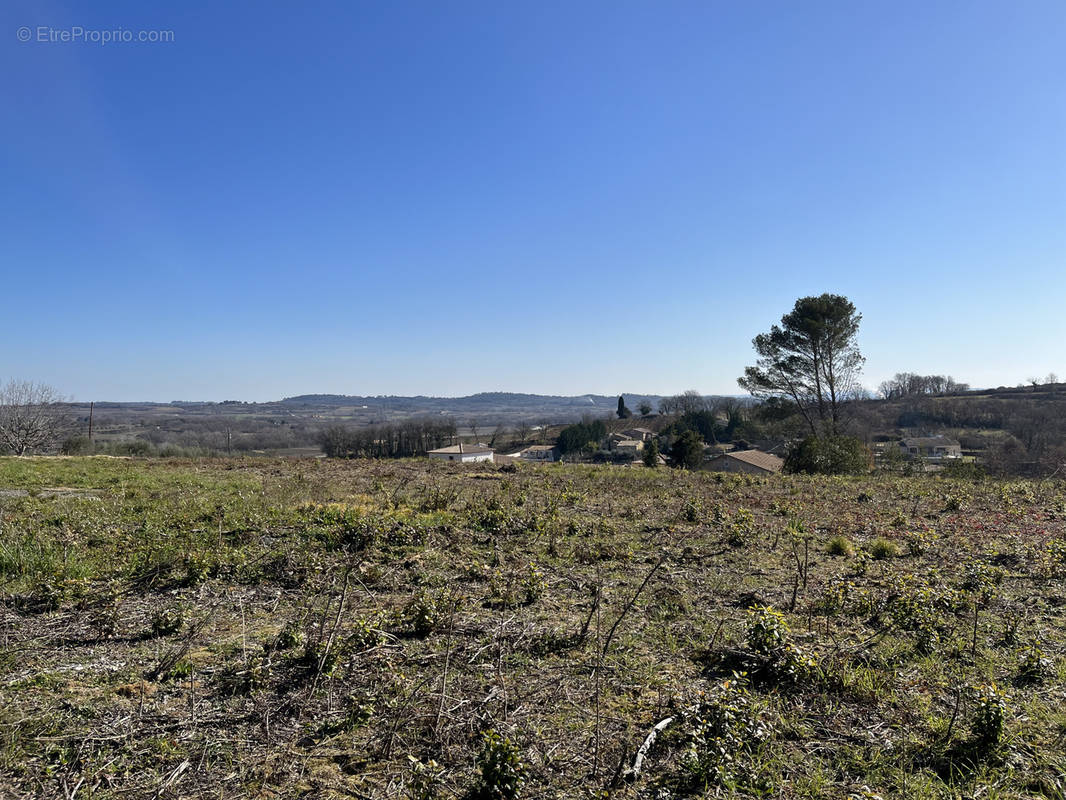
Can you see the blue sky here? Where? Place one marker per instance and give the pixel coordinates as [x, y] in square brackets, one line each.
[444, 198]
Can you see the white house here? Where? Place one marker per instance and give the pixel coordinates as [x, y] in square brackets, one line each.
[466, 453]
[930, 447]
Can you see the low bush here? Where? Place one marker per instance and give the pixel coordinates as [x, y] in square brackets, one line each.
[839, 546]
[881, 549]
[829, 455]
[501, 771]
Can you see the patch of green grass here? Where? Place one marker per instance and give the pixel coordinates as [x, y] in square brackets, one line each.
[839, 546]
[880, 549]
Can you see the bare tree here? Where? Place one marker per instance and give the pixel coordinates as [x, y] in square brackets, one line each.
[687, 402]
[32, 417]
[498, 434]
[522, 430]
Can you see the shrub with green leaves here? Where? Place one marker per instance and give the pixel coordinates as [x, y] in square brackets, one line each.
[914, 604]
[742, 528]
[501, 771]
[918, 542]
[367, 633]
[427, 611]
[983, 580]
[767, 630]
[989, 716]
[167, 621]
[724, 731]
[692, 510]
[426, 779]
[768, 636]
[289, 637]
[834, 599]
[1034, 667]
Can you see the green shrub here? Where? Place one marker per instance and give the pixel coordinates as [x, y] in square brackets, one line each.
[829, 455]
[918, 542]
[983, 580]
[768, 637]
[767, 630]
[693, 510]
[881, 549]
[426, 781]
[428, 611]
[723, 732]
[1034, 667]
[167, 621]
[289, 637]
[76, 446]
[989, 716]
[501, 772]
[742, 528]
[839, 546]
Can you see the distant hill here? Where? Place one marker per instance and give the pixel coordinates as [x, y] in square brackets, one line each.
[496, 402]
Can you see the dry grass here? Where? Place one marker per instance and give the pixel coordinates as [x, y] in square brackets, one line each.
[274, 628]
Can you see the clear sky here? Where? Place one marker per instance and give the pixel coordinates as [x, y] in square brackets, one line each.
[551, 197]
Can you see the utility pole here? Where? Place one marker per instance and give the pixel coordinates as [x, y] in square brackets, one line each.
[90, 420]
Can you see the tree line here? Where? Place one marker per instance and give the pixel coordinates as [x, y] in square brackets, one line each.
[414, 437]
[909, 384]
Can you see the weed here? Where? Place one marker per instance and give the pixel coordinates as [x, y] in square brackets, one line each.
[839, 546]
[881, 549]
[723, 731]
[918, 542]
[167, 621]
[501, 771]
[741, 529]
[988, 719]
[181, 669]
[426, 779]
[1034, 667]
[428, 611]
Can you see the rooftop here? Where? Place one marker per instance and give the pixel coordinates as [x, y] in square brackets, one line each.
[929, 441]
[757, 458]
[463, 449]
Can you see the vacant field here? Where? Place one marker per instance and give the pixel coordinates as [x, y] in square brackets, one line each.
[408, 629]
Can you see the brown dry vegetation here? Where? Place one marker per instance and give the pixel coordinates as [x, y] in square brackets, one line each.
[277, 629]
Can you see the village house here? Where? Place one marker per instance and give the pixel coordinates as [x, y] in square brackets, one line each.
[628, 446]
[640, 434]
[539, 453]
[465, 453]
[754, 462]
[934, 447]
